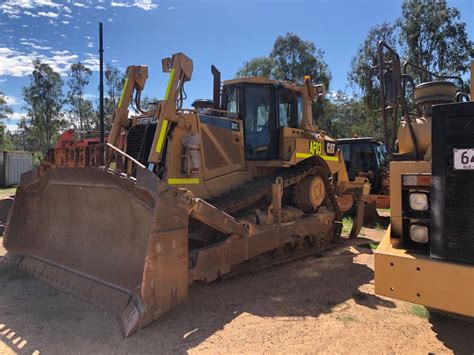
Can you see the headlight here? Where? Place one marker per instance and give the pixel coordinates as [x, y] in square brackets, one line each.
[419, 201]
[419, 233]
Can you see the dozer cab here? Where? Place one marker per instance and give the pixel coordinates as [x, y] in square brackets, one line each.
[179, 195]
[427, 254]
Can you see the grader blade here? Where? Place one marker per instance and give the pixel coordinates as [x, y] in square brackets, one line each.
[117, 242]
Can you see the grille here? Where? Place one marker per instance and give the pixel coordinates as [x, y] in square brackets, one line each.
[452, 217]
[135, 139]
[460, 203]
[139, 140]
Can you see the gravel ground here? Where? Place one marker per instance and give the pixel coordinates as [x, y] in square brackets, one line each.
[314, 305]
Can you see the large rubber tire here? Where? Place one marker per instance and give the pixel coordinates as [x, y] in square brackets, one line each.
[310, 193]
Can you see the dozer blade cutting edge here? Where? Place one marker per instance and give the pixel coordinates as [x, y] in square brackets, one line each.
[83, 223]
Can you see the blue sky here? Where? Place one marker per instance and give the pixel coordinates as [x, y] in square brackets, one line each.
[223, 33]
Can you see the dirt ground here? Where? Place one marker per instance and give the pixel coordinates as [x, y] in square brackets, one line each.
[314, 305]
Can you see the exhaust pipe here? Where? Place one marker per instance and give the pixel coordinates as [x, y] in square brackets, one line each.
[216, 94]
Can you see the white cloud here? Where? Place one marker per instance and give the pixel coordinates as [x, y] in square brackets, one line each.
[60, 52]
[11, 100]
[29, 13]
[67, 9]
[65, 22]
[79, 4]
[20, 63]
[35, 46]
[48, 14]
[120, 4]
[68, 16]
[92, 62]
[90, 45]
[3, 80]
[110, 20]
[12, 127]
[14, 8]
[171, 8]
[63, 36]
[146, 5]
[98, 7]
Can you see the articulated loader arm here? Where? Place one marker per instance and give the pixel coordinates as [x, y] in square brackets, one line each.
[135, 81]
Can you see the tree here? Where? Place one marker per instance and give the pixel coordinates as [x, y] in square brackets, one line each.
[295, 58]
[114, 81]
[429, 33]
[5, 112]
[290, 60]
[360, 75]
[44, 100]
[80, 108]
[261, 66]
[434, 37]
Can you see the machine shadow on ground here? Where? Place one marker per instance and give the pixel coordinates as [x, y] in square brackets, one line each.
[457, 334]
[52, 321]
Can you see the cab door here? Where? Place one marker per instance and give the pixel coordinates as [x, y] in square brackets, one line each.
[261, 131]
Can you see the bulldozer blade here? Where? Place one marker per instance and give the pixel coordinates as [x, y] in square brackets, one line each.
[116, 242]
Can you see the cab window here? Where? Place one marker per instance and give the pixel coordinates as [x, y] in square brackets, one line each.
[286, 109]
[299, 113]
[231, 100]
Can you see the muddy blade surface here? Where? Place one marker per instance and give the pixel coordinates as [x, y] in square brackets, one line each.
[89, 232]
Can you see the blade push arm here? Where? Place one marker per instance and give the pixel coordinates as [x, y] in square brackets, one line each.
[135, 81]
[180, 68]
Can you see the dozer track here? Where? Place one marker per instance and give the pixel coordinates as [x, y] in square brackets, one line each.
[249, 193]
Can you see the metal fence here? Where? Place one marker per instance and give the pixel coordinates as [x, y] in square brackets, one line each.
[12, 165]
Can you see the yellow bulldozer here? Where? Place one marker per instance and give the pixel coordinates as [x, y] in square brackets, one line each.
[181, 195]
[427, 254]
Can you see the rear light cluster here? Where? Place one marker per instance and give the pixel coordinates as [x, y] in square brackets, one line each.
[416, 211]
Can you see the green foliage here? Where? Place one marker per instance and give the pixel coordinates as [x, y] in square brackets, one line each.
[44, 102]
[81, 109]
[7, 192]
[433, 36]
[290, 60]
[371, 246]
[114, 81]
[419, 311]
[429, 33]
[261, 66]
[360, 75]
[5, 112]
[346, 225]
[346, 116]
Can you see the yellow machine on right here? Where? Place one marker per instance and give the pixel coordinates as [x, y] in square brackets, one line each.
[427, 254]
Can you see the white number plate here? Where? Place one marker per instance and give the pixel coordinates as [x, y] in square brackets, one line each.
[463, 159]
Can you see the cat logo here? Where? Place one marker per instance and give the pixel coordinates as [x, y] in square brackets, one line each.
[315, 148]
[330, 147]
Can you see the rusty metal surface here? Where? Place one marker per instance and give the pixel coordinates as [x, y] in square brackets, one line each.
[218, 260]
[115, 241]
